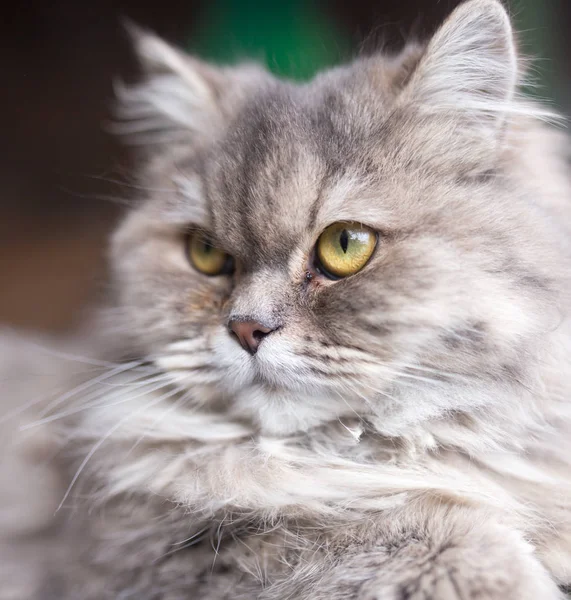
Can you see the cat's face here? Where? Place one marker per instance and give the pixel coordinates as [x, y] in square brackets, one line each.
[368, 251]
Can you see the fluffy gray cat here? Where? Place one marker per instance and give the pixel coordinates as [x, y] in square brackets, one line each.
[336, 360]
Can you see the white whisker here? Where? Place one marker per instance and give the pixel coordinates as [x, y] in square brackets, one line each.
[165, 382]
[98, 445]
[87, 384]
[174, 406]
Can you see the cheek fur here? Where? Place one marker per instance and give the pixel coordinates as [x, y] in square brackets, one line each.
[207, 304]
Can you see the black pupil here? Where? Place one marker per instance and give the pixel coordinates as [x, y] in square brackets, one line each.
[344, 240]
[206, 247]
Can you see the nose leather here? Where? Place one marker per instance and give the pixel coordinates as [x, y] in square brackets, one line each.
[250, 334]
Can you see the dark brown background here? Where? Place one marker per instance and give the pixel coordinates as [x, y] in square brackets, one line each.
[57, 164]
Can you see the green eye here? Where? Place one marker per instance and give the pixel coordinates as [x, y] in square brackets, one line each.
[344, 248]
[206, 258]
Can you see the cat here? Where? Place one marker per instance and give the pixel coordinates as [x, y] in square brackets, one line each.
[334, 363]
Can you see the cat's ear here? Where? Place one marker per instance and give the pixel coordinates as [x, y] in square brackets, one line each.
[469, 68]
[179, 95]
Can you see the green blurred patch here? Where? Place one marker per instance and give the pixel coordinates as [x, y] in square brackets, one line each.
[294, 39]
[297, 38]
[534, 19]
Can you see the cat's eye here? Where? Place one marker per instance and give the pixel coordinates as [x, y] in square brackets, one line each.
[344, 248]
[206, 258]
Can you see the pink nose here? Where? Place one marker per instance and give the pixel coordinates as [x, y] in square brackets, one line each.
[250, 334]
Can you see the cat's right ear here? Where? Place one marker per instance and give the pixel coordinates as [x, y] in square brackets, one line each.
[180, 96]
[469, 68]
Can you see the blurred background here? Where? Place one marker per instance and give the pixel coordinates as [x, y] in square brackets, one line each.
[61, 173]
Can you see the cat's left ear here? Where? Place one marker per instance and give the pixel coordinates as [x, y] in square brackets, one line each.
[469, 69]
[180, 96]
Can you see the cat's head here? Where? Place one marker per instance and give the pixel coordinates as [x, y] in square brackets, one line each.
[362, 244]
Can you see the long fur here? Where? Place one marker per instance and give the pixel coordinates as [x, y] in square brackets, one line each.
[404, 433]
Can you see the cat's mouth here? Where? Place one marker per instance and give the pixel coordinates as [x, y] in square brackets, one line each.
[279, 379]
[275, 368]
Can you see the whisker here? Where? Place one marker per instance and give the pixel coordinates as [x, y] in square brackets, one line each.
[218, 542]
[350, 408]
[98, 445]
[354, 390]
[78, 358]
[179, 402]
[126, 184]
[418, 378]
[67, 395]
[440, 372]
[87, 384]
[186, 345]
[188, 543]
[165, 382]
[181, 362]
[21, 409]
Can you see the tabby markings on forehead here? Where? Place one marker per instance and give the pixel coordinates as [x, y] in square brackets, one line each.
[349, 198]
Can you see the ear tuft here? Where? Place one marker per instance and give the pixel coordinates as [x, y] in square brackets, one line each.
[470, 65]
[157, 56]
[177, 96]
